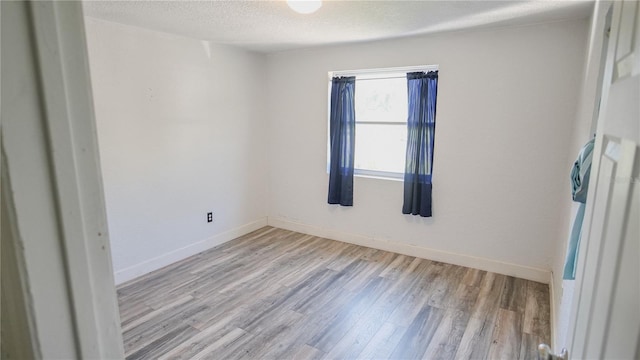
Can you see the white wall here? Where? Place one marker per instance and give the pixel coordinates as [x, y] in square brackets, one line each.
[506, 106]
[182, 132]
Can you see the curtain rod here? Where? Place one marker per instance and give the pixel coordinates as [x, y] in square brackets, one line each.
[405, 69]
[379, 78]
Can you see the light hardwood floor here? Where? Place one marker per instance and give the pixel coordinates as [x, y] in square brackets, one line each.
[277, 294]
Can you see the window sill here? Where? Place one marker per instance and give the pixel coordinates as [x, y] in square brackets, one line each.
[381, 175]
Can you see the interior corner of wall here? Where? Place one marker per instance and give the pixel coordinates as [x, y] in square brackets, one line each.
[206, 46]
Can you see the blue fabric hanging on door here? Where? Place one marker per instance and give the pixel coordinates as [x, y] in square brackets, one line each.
[579, 188]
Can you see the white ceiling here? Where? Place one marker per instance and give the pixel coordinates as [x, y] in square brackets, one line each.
[268, 26]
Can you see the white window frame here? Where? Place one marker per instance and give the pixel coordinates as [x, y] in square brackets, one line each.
[369, 74]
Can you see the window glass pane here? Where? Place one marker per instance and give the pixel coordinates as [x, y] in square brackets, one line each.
[381, 100]
[381, 147]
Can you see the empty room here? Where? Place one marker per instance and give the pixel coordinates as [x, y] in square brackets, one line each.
[313, 179]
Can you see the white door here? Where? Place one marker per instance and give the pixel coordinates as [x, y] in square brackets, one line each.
[606, 309]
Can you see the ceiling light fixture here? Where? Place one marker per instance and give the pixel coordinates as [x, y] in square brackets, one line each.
[304, 6]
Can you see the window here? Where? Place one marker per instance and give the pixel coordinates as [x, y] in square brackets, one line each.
[381, 126]
[381, 120]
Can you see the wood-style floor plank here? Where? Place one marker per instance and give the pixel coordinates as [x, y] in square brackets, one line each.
[529, 346]
[476, 339]
[514, 294]
[383, 342]
[277, 294]
[413, 344]
[537, 311]
[307, 352]
[507, 336]
[448, 335]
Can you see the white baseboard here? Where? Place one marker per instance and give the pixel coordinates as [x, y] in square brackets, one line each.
[158, 262]
[523, 272]
[485, 264]
[552, 312]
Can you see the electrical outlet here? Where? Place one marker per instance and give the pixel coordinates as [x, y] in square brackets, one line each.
[209, 217]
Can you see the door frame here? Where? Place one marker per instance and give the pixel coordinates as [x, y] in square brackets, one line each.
[52, 168]
[605, 83]
[598, 150]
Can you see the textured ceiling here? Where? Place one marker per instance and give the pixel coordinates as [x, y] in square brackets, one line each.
[268, 26]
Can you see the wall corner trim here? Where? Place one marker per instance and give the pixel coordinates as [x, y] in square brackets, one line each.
[158, 262]
[524, 272]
